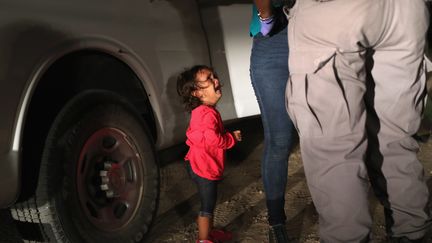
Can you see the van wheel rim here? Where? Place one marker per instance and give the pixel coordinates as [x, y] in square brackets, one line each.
[109, 179]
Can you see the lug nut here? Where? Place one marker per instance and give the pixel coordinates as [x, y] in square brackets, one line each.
[109, 194]
[104, 180]
[104, 187]
[107, 165]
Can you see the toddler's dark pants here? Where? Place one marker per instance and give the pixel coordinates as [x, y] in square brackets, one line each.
[207, 190]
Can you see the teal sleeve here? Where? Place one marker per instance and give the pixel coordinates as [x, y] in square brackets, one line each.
[255, 24]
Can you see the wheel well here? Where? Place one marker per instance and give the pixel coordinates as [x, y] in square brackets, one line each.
[68, 76]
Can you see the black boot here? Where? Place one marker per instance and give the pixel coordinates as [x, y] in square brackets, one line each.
[278, 234]
[406, 240]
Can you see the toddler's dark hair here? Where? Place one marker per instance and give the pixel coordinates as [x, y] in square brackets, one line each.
[186, 84]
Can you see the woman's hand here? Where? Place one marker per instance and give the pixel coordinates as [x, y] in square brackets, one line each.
[264, 8]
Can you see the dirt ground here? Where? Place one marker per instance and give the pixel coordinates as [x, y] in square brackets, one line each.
[241, 204]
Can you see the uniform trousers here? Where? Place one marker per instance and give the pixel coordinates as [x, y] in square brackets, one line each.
[356, 94]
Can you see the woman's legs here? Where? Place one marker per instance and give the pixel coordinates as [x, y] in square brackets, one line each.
[269, 75]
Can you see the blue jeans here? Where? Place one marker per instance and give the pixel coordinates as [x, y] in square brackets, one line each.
[269, 75]
[207, 190]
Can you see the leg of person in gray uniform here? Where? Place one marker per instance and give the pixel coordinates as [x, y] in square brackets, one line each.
[357, 77]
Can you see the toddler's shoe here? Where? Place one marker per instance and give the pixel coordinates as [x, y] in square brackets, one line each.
[220, 235]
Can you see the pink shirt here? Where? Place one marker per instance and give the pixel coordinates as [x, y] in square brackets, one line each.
[207, 141]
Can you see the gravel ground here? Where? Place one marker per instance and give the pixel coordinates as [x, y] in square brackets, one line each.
[241, 204]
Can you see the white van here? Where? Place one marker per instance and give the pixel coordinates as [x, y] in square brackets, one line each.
[88, 98]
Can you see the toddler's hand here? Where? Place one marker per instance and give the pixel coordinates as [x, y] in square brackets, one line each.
[237, 135]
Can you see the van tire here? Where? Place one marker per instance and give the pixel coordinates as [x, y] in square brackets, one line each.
[98, 179]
